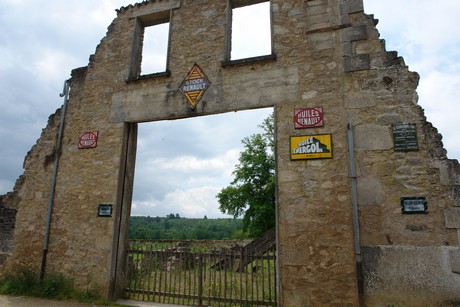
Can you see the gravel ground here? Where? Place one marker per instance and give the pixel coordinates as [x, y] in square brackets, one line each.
[22, 301]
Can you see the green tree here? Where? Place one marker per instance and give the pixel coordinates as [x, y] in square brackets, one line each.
[251, 194]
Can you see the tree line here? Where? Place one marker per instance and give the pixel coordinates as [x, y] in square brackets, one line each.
[173, 227]
[251, 195]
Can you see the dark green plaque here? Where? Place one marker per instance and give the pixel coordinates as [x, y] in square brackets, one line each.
[405, 137]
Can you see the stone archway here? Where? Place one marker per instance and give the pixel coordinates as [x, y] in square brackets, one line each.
[325, 54]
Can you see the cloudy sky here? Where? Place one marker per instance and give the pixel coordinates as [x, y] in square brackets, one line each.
[182, 164]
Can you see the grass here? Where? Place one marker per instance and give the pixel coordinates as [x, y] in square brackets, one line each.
[25, 281]
[179, 281]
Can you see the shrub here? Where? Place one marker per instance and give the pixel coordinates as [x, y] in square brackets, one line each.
[25, 281]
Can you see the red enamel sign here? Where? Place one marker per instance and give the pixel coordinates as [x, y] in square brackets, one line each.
[88, 139]
[308, 117]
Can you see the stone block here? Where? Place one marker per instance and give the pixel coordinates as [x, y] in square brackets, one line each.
[352, 6]
[347, 49]
[355, 33]
[372, 137]
[311, 3]
[357, 62]
[159, 7]
[316, 10]
[448, 173]
[454, 257]
[402, 272]
[390, 119]
[320, 18]
[456, 195]
[452, 217]
[320, 37]
[324, 45]
[370, 191]
[357, 100]
[391, 58]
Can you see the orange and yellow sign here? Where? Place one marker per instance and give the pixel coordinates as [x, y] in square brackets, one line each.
[194, 85]
[311, 147]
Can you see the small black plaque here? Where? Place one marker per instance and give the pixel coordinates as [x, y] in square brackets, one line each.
[405, 137]
[104, 210]
[414, 205]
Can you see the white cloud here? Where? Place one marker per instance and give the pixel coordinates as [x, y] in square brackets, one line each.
[253, 40]
[193, 202]
[190, 183]
[194, 155]
[424, 32]
[48, 63]
[186, 164]
[40, 43]
[441, 90]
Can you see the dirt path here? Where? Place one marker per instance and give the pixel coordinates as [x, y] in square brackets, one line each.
[22, 301]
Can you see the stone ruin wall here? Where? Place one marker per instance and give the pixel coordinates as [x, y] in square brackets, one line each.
[7, 223]
[328, 54]
[402, 253]
[36, 178]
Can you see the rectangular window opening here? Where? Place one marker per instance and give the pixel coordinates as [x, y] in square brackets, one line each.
[155, 49]
[251, 31]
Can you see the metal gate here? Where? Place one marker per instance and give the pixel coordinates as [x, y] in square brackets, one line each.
[201, 273]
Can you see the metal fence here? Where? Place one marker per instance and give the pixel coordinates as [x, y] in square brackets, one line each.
[201, 273]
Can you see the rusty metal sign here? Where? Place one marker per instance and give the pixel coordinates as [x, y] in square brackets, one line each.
[194, 85]
[317, 146]
[88, 139]
[308, 117]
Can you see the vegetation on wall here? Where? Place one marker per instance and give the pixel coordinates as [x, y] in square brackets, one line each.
[24, 281]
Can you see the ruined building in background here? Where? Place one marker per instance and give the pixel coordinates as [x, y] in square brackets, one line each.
[338, 97]
[7, 223]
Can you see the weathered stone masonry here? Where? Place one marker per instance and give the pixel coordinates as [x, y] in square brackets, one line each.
[7, 222]
[325, 53]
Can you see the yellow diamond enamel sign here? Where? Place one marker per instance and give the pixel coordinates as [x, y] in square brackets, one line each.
[194, 85]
